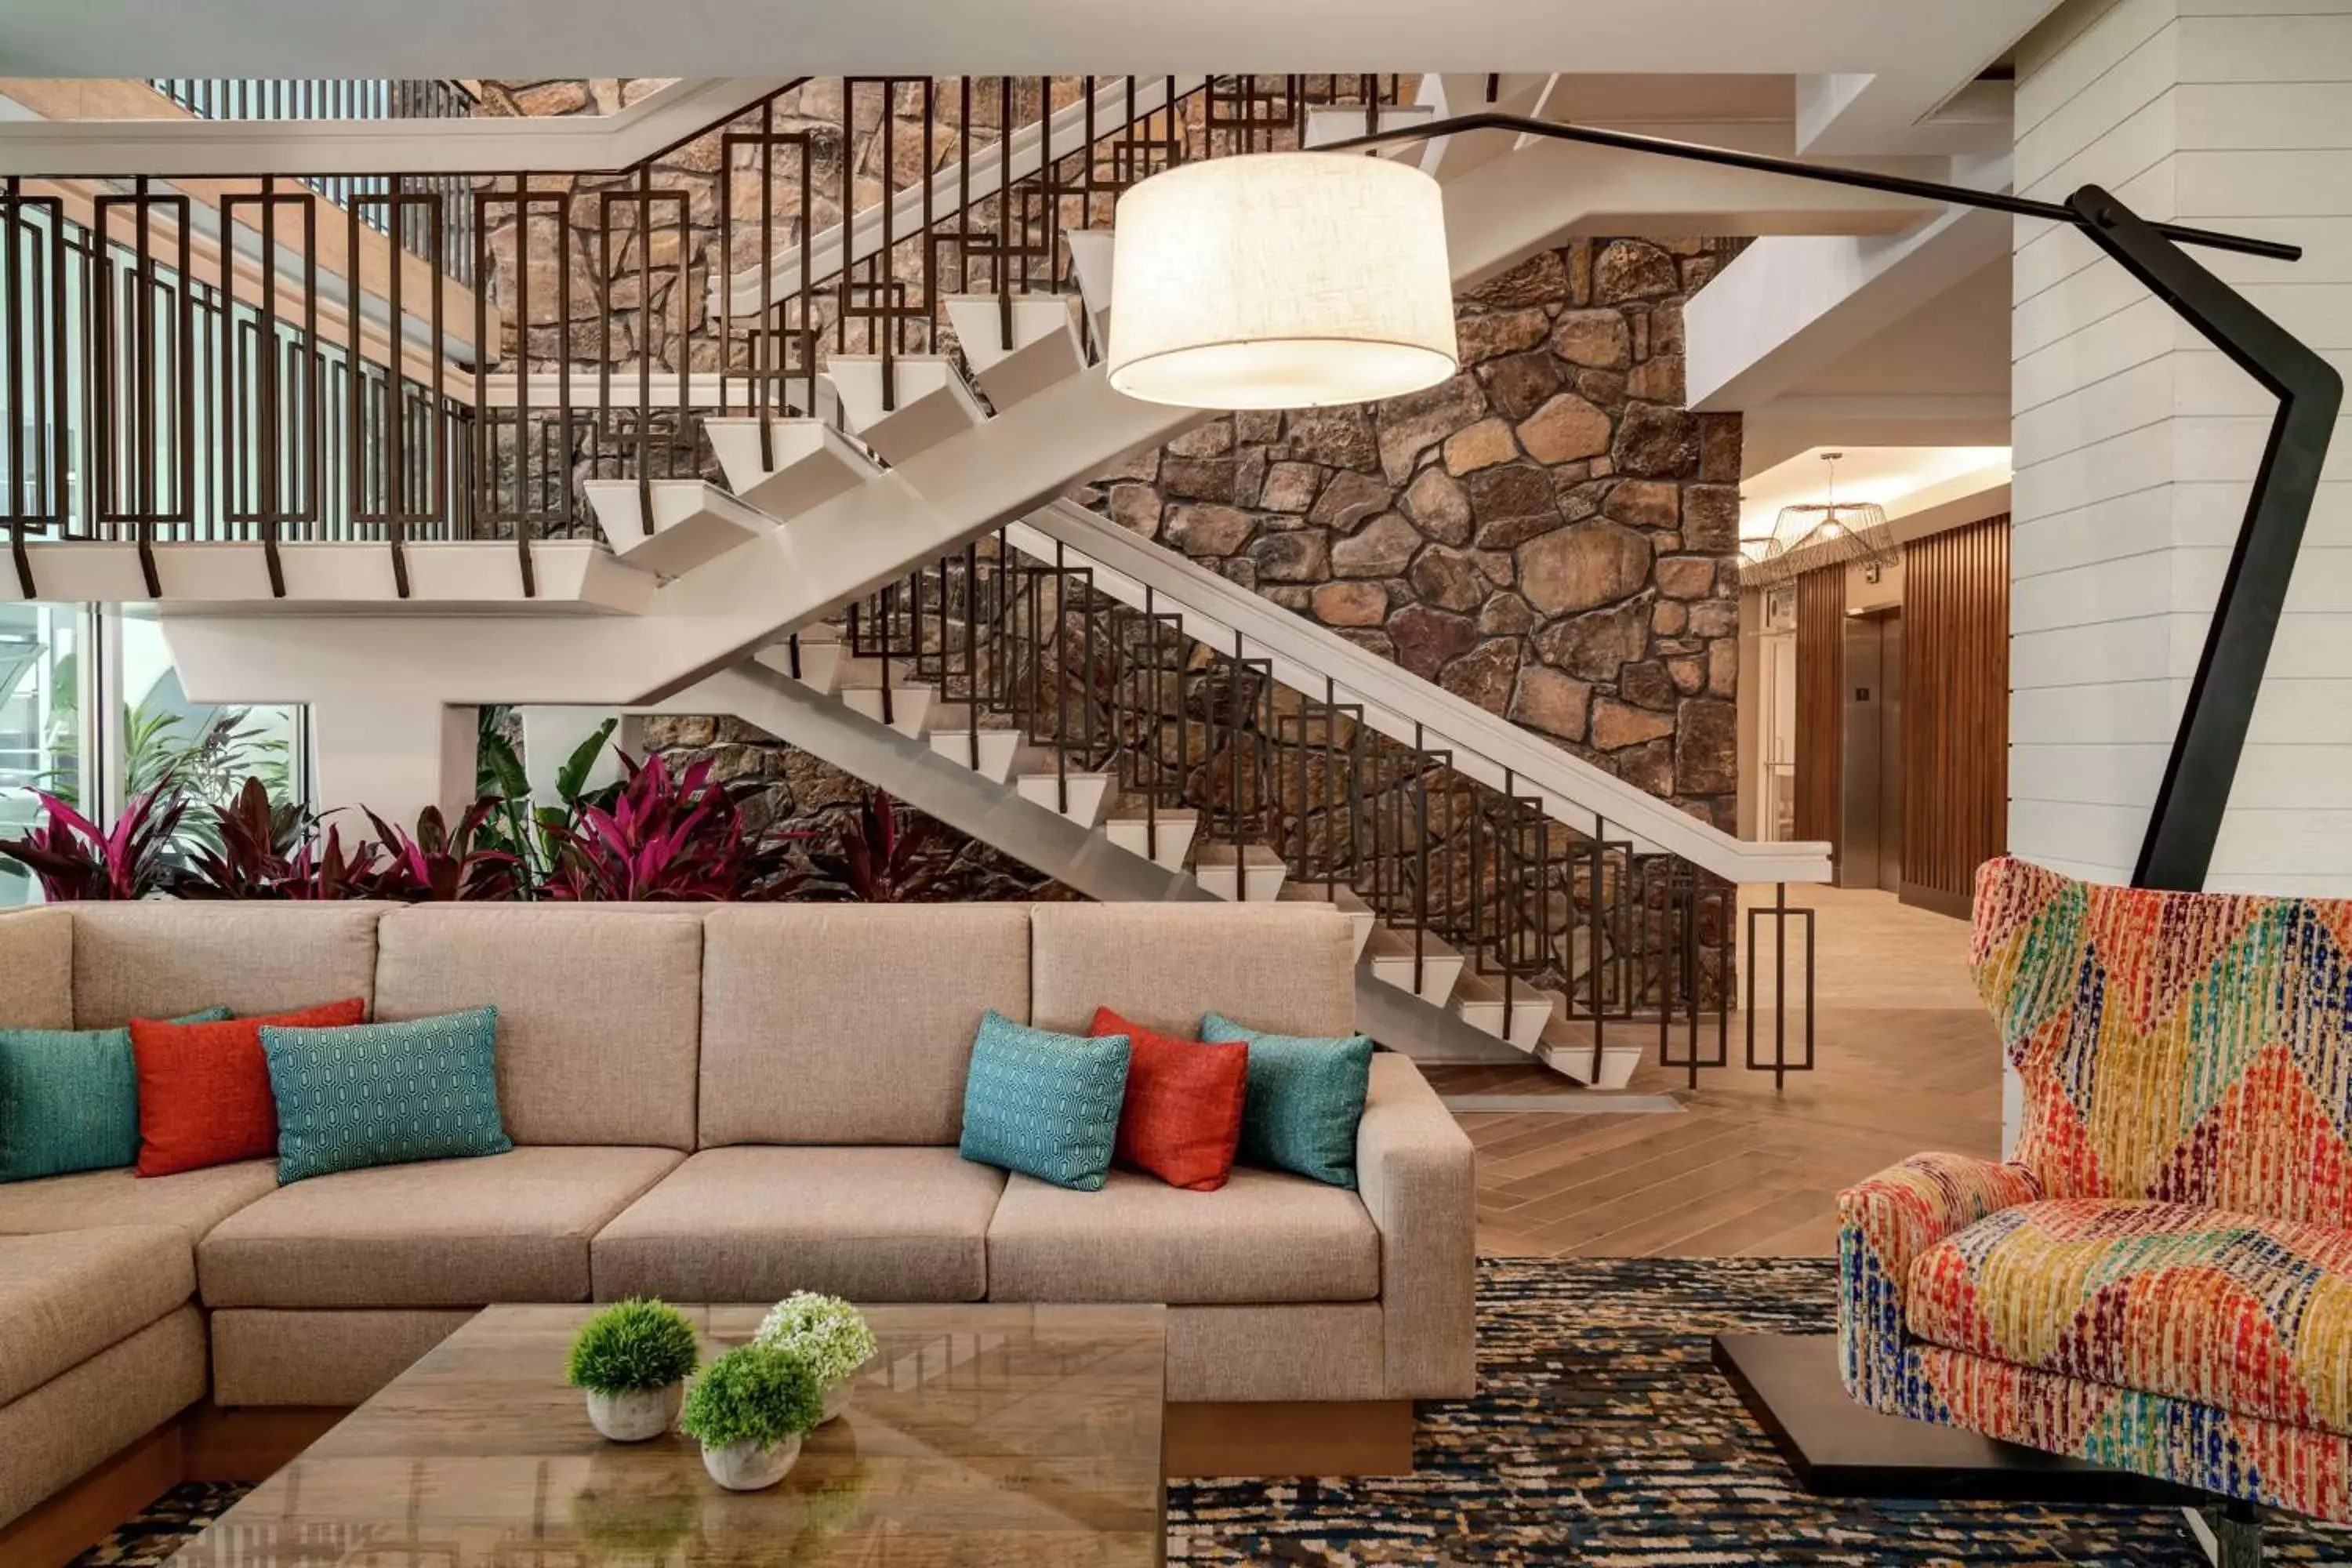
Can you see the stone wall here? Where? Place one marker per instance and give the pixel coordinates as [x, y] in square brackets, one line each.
[1549, 534]
[787, 789]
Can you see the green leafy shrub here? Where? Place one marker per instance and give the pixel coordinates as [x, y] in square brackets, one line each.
[633, 1344]
[754, 1395]
[826, 1332]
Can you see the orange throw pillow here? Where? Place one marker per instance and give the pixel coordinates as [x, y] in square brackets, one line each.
[203, 1088]
[1183, 1116]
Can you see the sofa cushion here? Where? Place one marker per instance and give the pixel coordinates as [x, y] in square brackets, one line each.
[344, 1356]
[1261, 1237]
[446, 1233]
[1305, 1100]
[598, 1012]
[753, 1225]
[66, 1296]
[159, 959]
[1044, 1103]
[2245, 1314]
[69, 1099]
[191, 1202]
[789, 1047]
[66, 1427]
[203, 1088]
[1182, 1119]
[1290, 968]
[36, 969]
[385, 1094]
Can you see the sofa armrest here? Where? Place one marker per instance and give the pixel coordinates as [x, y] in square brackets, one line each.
[1416, 1172]
[1884, 1223]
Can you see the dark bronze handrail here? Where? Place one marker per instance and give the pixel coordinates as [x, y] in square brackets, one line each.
[1624, 939]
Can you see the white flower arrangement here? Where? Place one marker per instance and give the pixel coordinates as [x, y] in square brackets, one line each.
[828, 1334]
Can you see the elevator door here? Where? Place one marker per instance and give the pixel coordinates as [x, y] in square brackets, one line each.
[1870, 753]
[1890, 752]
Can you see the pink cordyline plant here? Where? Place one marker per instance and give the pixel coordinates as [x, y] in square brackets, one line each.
[78, 861]
[668, 837]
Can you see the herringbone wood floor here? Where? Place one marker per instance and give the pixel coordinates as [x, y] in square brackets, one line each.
[1907, 1061]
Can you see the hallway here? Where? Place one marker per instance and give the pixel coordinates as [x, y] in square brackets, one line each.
[1907, 1062]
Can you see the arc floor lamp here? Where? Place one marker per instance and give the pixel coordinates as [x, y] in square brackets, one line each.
[1289, 279]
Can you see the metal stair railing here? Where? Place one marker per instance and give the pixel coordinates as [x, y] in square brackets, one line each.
[1609, 936]
[453, 356]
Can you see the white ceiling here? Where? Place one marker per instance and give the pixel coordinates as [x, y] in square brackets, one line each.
[1956, 344]
[1886, 475]
[1944, 43]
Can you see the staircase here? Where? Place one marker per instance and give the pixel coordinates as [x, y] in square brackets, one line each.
[838, 453]
[1137, 727]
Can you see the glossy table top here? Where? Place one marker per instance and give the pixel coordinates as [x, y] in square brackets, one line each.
[981, 1436]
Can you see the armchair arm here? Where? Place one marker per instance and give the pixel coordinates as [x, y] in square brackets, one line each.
[1416, 1172]
[1885, 1223]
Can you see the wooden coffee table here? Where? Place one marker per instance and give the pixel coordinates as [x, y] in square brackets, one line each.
[999, 1436]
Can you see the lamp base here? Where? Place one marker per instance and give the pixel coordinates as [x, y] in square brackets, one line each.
[1839, 1448]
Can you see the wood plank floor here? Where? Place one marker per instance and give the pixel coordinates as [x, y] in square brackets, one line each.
[1907, 1061]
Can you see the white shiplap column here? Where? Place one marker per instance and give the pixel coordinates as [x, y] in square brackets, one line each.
[2136, 442]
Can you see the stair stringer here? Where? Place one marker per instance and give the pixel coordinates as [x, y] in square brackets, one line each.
[711, 619]
[1039, 837]
[1482, 745]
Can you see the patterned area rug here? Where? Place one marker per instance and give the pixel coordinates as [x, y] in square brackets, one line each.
[1602, 1438]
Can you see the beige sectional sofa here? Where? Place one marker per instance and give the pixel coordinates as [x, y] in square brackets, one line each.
[709, 1104]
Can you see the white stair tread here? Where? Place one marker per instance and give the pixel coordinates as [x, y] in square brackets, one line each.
[689, 524]
[1182, 815]
[991, 753]
[863, 672]
[1567, 1050]
[1045, 346]
[1338, 895]
[1090, 264]
[1327, 123]
[1253, 855]
[807, 463]
[909, 707]
[929, 402]
[1080, 796]
[1164, 835]
[1387, 941]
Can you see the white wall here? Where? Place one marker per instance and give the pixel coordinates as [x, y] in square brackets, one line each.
[2136, 442]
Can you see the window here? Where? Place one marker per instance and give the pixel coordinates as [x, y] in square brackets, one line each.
[60, 664]
[41, 731]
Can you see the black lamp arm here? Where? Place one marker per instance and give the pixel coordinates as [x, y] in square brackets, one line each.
[1824, 173]
[2194, 795]
[2203, 762]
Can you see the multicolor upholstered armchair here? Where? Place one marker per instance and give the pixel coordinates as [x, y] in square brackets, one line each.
[2160, 1279]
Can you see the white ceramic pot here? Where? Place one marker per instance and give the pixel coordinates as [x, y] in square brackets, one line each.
[837, 1398]
[747, 1466]
[634, 1415]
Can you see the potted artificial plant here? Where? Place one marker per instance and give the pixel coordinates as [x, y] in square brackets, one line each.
[828, 1333]
[633, 1358]
[749, 1409]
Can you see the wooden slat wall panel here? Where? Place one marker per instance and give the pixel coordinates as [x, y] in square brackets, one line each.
[1955, 710]
[1820, 680]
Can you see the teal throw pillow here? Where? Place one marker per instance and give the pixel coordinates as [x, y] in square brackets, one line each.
[69, 1099]
[1044, 1104]
[1304, 1101]
[385, 1094]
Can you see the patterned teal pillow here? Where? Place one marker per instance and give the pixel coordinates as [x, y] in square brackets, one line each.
[1304, 1101]
[1044, 1104]
[385, 1094]
[69, 1099]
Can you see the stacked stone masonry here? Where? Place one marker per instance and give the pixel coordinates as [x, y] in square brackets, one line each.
[1549, 535]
